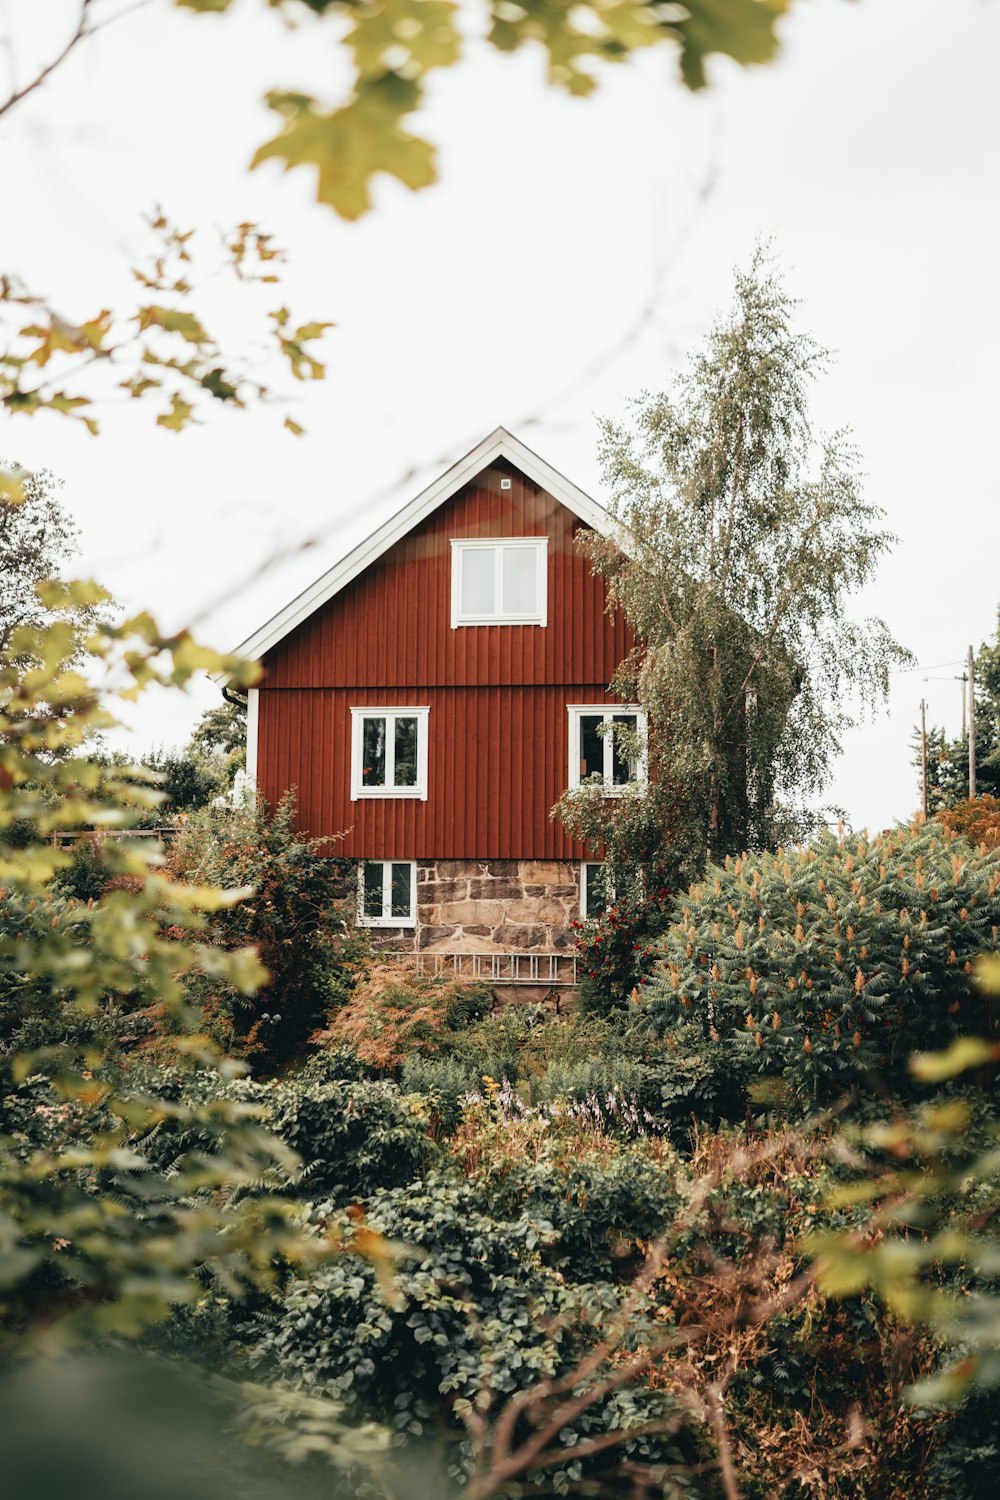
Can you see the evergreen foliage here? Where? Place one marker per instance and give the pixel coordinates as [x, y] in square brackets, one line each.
[826, 966]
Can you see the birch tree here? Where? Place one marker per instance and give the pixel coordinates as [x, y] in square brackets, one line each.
[740, 534]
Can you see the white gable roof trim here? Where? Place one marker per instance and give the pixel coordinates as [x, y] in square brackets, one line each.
[499, 444]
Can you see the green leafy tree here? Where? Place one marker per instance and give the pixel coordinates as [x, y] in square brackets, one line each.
[741, 533]
[222, 730]
[948, 758]
[299, 919]
[93, 1239]
[37, 539]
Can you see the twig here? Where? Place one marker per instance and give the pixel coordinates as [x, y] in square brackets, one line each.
[81, 34]
[29, 88]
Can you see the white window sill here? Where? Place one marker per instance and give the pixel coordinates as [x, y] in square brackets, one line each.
[497, 620]
[376, 792]
[387, 922]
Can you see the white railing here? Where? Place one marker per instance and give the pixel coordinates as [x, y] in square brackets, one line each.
[497, 968]
[65, 836]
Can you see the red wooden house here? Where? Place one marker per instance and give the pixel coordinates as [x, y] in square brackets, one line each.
[435, 692]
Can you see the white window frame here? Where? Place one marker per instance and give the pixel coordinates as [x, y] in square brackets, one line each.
[358, 716]
[387, 919]
[578, 711]
[461, 545]
[609, 891]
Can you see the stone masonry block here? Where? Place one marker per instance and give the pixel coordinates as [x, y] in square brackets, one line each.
[499, 888]
[544, 872]
[444, 890]
[435, 935]
[481, 913]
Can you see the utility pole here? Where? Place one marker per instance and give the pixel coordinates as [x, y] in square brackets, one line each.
[964, 679]
[972, 724]
[923, 750]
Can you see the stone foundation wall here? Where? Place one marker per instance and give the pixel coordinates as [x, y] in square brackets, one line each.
[511, 905]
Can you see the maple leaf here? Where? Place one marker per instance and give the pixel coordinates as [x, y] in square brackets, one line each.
[348, 146]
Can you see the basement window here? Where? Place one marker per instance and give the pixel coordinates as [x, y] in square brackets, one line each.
[387, 893]
[499, 581]
[389, 752]
[607, 747]
[596, 895]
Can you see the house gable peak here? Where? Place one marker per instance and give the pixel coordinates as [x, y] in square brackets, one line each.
[500, 444]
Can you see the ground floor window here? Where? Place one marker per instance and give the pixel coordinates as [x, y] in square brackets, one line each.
[595, 896]
[387, 893]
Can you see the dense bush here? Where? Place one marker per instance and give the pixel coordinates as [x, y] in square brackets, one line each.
[299, 916]
[604, 1198]
[391, 1015]
[976, 819]
[617, 950]
[474, 1309]
[351, 1138]
[829, 964]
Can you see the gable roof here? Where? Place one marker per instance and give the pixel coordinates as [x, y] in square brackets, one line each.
[499, 444]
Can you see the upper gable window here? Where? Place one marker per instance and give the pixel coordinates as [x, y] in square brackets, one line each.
[603, 748]
[499, 581]
[389, 752]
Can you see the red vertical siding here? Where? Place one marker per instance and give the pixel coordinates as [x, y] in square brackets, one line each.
[498, 726]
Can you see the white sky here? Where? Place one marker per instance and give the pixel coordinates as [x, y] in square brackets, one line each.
[507, 294]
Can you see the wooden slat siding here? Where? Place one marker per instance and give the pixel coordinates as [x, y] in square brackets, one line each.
[474, 750]
[498, 694]
[392, 625]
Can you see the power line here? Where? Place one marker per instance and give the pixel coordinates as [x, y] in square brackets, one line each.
[902, 671]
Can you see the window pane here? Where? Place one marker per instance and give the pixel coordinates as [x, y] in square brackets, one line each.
[373, 888]
[591, 746]
[478, 593]
[623, 765]
[594, 875]
[406, 752]
[401, 885]
[373, 753]
[520, 580]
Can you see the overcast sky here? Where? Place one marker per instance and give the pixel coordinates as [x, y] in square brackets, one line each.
[518, 292]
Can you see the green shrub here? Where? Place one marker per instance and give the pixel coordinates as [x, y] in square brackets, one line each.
[475, 1309]
[300, 917]
[828, 965]
[444, 1081]
[87, 875]
[616, 950]
[354, 1139]
[701, 1081]
[351, 1138]
[602, 1210]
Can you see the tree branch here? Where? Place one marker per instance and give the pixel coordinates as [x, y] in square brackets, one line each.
[81, 34]
[29, 88]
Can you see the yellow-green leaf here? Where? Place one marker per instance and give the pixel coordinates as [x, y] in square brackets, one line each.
[177, 418]
[965, 1052]
[347, 147]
